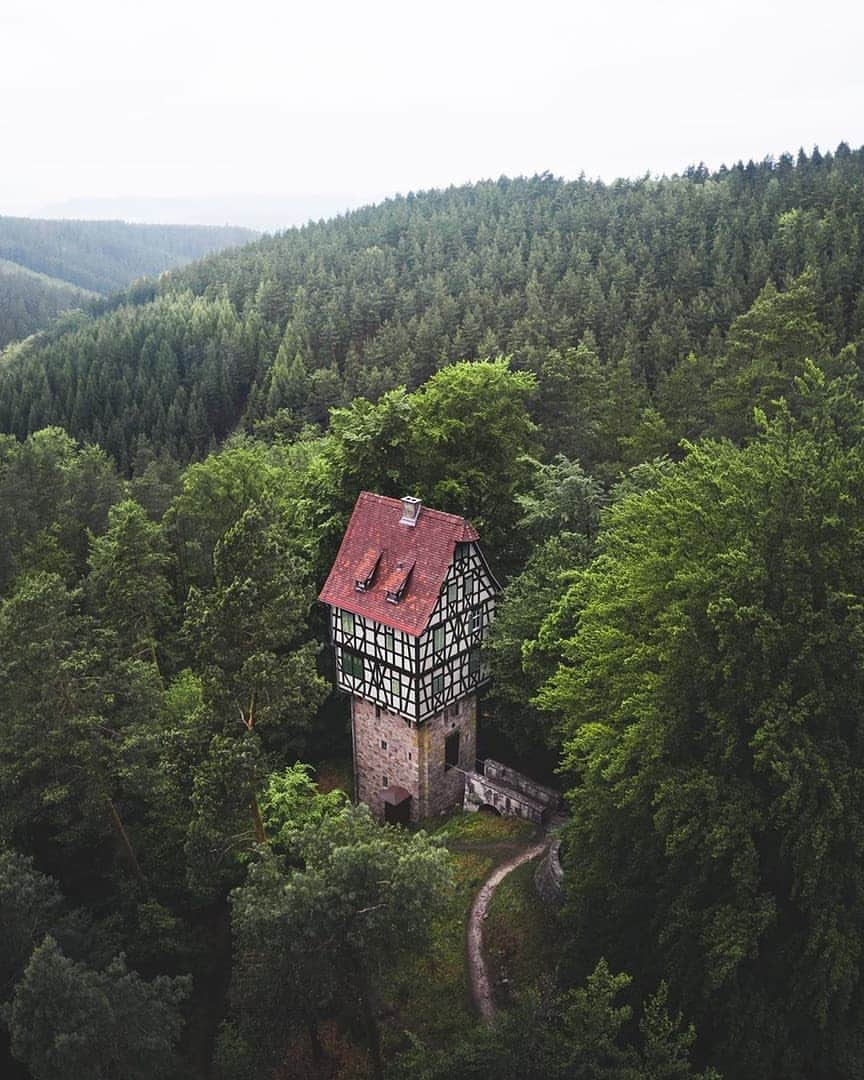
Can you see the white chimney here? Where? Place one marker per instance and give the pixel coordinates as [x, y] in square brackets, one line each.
[410, 510]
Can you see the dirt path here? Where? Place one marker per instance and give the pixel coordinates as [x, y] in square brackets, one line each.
[481, 991]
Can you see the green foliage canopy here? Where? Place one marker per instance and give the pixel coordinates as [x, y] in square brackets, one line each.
[712, 697]
[69, 1022]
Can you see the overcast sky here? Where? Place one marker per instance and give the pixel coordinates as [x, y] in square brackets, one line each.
[223, 108]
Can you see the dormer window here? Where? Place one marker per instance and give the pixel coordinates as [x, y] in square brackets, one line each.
[397, 582]
[364, 574]
[410, 510]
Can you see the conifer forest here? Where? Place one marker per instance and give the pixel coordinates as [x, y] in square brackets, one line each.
[648, 398]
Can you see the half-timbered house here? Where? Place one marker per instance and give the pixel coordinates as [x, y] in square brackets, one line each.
[411, 599]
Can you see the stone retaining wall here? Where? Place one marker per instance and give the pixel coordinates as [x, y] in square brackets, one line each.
[481, 791]
[549, 876]
[503, 774]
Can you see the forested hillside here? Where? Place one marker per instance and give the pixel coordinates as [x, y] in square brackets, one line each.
[29, 300]
[645, 277]
[648, 398]
[47, 267]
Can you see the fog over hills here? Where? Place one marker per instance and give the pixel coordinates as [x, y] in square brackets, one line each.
[266, 213]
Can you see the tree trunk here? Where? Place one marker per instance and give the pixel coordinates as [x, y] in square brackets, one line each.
[373, 1034]
[124, 842]
[154, 657]
[260, 835]
[315, 1041]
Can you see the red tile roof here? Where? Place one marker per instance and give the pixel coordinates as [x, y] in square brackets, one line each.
[374, 529]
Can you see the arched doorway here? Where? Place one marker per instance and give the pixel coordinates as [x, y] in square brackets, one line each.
[397, 805]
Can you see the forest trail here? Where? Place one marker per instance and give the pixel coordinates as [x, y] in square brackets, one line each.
[481, 991]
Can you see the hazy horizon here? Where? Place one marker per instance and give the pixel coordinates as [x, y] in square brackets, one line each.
[189, 112]
[253, 211]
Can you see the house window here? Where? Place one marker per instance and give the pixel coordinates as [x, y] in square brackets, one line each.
[476, 620]
[385, 781]
[395, 685]
[389, 640]
[383, 744]
[438, 639]
[452, 591]
[451, 750]
[437, 685]
[409, 755]
[352, 664]
[346, 620]
[469, 586]
[474, 662]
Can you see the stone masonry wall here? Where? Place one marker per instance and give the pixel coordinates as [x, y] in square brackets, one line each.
[481, 791]
[442, 789]
[494, 770]
[387, 745]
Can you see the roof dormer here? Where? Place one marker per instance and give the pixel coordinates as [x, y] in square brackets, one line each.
[397, 582]
[364, 573]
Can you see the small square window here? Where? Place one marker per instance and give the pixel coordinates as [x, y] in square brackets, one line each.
[352, 664]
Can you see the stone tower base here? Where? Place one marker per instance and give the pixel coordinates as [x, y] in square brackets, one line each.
[389, 749]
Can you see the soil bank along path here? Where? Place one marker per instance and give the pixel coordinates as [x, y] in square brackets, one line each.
[481, 991]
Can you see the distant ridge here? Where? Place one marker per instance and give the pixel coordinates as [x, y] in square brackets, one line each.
[104, 256]
[48, 267]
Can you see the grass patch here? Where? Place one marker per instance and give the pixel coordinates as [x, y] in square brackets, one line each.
[468, 826]
[519, 936]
